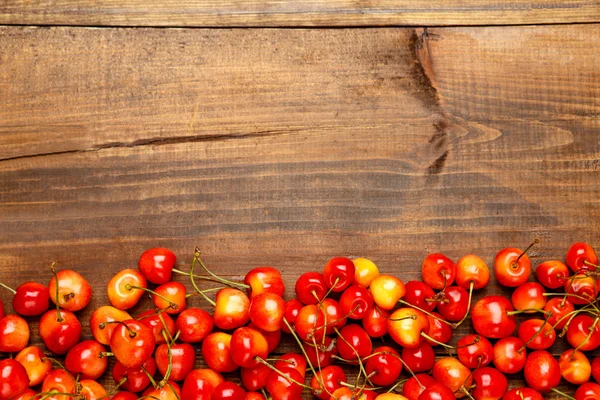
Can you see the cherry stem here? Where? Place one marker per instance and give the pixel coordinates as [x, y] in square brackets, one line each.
[337, 320]
[129, 286]
[165, 379]
[589, 264]
[312, 368]
[571, 295]
[203, 277]
[164, 328]
[464, 389]
[60, 365]
[319, 365]
[152, 381]
[527, 310]
[361, 367]
[288, 378]
[337, 279]
[555, 390]
[121, 382]
[103, 354]
[53, 393]
[192, 267]
[59, 315]
[400, 382]
[132, 333]
[214, 289]
[471, 287]
[536, 334]
[426, 312]
[587, 338]
[535, 241]
[8, 288]
[157, 311]
[216, 277]
[426, 336]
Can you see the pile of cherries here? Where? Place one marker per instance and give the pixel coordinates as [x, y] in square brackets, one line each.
[335, 318]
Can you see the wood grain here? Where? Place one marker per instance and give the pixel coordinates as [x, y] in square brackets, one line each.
[252, 13]
[287, 147]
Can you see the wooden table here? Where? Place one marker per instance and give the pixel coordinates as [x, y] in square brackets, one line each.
[384, 129]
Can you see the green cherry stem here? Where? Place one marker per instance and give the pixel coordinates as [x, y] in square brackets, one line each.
[152, 381]
[297, 339]
[426, 312]
[8, 288]
[58, 314]
[130, 287]
[288, 378]
[471, 287]
[566, 396]
[165, 379]
[587, 338]
[360, 363]
[216, 277]
[192, 267]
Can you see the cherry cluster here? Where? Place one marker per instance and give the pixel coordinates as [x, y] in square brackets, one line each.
[334, 318]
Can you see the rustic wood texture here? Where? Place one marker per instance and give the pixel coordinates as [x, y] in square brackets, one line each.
[245, 13]
[288, 147]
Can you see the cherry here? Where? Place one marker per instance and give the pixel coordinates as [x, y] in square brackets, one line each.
[365, 271]
[452, 373]
[552, 274]
[284, 385]
[200, 384]
[383, 366]
[420, 295]
[14, 334]
[310, 322]
[471, 269]
[491, 317]
[327, 381]
[255, 378]
[90, 390]
[580, 255]
[406, 326]
[292, 360]
[510, 355]
[437, 391]
[194, 324]
[438, 271]
[375, 322]
[339, 273]
[557, 311]
[228, 390]
[73, 292]
[157, 264]
[216, 351]
[582, 289]
[100, 317]
[157, 322]
[542, 371]
[523, 394]
[490, 384]
[267, 311]
[273, 338]
[529, 296]
[87, 358]
[528, 333]
[419, 359]
[596, 368]
[254, 396]
[134, 379]
[311, 288]
[264, 280]
[474, 351]
[171, 297]
[30, 299]
[588, 391]
[583, 332]
[575, 367]
[386, 291]
[333, 316]
[28, 394]
[415, 385]
[355, 302]
[59, 330]
[13, 378]
[60, 381]
[513, 266]
[455, 305]
[320, 354]
[390, 396]
[231, 309]
[122, 289]
[247, 345]
[439, 331]
[132, 343]
[343, 393]
[36, 364]
[292, 309]
[179, 365]
[170, 391]
[353, 342]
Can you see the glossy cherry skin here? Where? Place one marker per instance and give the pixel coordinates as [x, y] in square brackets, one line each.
[158, 322]
[170, 391]
[455, 304]
[87, 358]
[90, 390]
[438, 330]
[419, 359]
[438, 271]
[273, 338]
[255, 378]
[232, 309]
[596, 368]
[247, 345]
[552, 274]
[354, 342]
[510, 355]
[355, 302]
[542, 371]
[452, 373]
[175, 293]
[418, 294]
[264, 280]
[157, 264]
[124, 396]
[578, 254]
[136, 379]
[282, 388]
[437, 391]
[558, 312]
[200, 384]
[339, 273]
[74, 292]
[510, 272]
[333, 316]
[216, 350]
[582, 289]
[588, 391]
[575, 367]
[529, 295]
[529, 328]
[490, 384]
[267, 311]
[183, 357]
[578, 331]
[228, 390]
[293, 360]
[365, 271]
[31, 299]
[60, 336]
[311, 288]
[472, 269]
[386, 364]
[413, 387]
[523, 394]
[102, 315]
[36, 364]
[320, 354]
[13, 378]
[375, 322]
[194, 324]
[61, 381]
[386, 291]
[27, 394]
[132, 343]
[490, 318]
[292, 309]
[405, 326]
[254, 396]
[474, 351]
[14, 334]
[310, 323]
[121, 293]
[330, 376]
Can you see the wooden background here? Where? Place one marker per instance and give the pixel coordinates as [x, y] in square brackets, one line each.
[383, 129]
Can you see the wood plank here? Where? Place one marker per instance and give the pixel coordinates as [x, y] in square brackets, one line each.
[246, 13]
[285, 148]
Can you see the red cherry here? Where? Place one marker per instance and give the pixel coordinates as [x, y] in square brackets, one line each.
[582, 289]
[384, 366]
[228, 391]
[100, 317]
[132, 343]
[158, 322]
[157, 264]
[491, 319]
[452, 373]
[255, 378]
[575, 367]
[333, 317]
[474, 351]
[170, 391]
[375, 322]
[124, 396]
[419, 359]
[510, 355]
[135, 379]
[415, 385]
[74, 292]
[311, 288]
[528, 296]
[418, 294]
[406, 325]
[512, 266]
[588, 391]
[231, 309]
[343, 393]
[438, 329]
[273, 338]
[596, 368]
[552, 274]
[59, 333]
[523, 394]
[171, 297]
[320, 354]
[339, 273]
[247, 345]
[292, 360]
[122, 288]
[284, 386]
[264, 280]
[355, 302]
[310, 322]
[267, 311]
[490, 384]
[13, 378]
[28, 394]
[183, 357]
[89, 389]
[88, 359]
[14, 334]
[354, 342]
[330, 376]
[194, 324]
[472, 269]
[31, 299]
[437, 391]
[528, 333]
[580, 255]
[36, 364]
[455, 304]
[292, 309]
[438, 271]
[254, 396]
[200, 384]
[558, 311]
[542, 371]
[584, 333]
[58, 380]
[386, 291]
[216, 350]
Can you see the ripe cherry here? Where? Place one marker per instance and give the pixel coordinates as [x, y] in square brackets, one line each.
[264, 280]
[292, 309]
[101, 316]
[386, 291]
[267, 311]
[292, 360]
[406, 326]
[60, 381]
[134, 379]
[273, 338]
[36, 364]
[596, 368]
[439, 330]
[88, 389]
[216, 350]
[311, 288]
[528, 333]
[438, 271]
[420, 358]
[355, 302]
[284, 386]
[582, 289]
[588, 391]
[157, 264]
[28, 394]
[14, 334]
[200, 384]
[420, 295]
[254, 396]
[383, 366]
[13, 378]
[171, 297]
[74, 292]
[529, 296]
[455, 304]
[575, 367]
[365, 271]
[310, 323]
[353, 342]
[194, 324]
[437, 391]
[333, 316]
[231, 309]
[542, 371]
[170, 391]
[523, 394]
[580, 255]
[583, 332]
[375, 322]
[157, 322]
[558, 311]
[339, 273]
[330, 377]
[59, 330]
[491, 317]
[123, 288]
[247, 345]
[320, 354]
[510, 355]
[471, 269]
[415, 385]
[30, 299]
[132, 343]
[87, 358]
[474, 351]
[490, 384]
[183, 357]
[228, 390]
[452, 373]
[513, 266]
[552, 274]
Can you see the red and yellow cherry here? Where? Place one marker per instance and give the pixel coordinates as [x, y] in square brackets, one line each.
[87, 358]
[528, 333]
[157, 264]
[437, 391]
[490, 384]
[343, 393]
[575, 367]
[474, 351]
[353, 342]
[170, 391]
[59, 330]
[267, 311]
[453, 374]
[390, 396]
[231, 309]
[471, 269]
[420, 295]
[321, 354]
[455, 304]
[512, 266]
[292, 309]
[182, 360]
[327, 381]
[100, 317]
[171, 297]
[310, 323]
[384, 366]
[438, 271]
[247, 345]
[491, 317]
[13, 378]
[365, 271]
[552, 274]
[529, 296]
[339, 273]
[588, 391]
[583, 332]
[596, 368]
[36, 364]
[264, 280]
[123, 288]
[255, 378]
[193, 324]
[200, 384]
[132, 343]
[415, 385]
[386, 291]
[333, 317]
[406, 325]
[157, 322]
[558, 311]
[74, 292]
[439, 331]
[30, 299]
[14, 334]
[216, 350]
[581, 256]
[510, 355]
[542, 371]
[523, 394]
[254, 396]
[311, 288]
[88, 389]
[420, 358]
[293, 360]
[60, 381]
[376, 322]
[28, 394]
[582, 289]
[134, 379]
[228, 390]
[273, 338]
[283, 385]
[355, 302]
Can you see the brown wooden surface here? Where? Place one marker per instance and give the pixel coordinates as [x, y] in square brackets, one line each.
[287, 147]
[246, 13]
